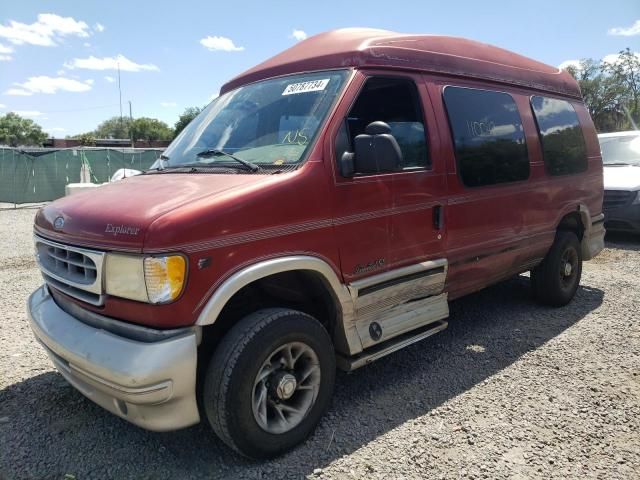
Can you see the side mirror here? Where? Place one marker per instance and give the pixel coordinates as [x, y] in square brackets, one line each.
[376, 150]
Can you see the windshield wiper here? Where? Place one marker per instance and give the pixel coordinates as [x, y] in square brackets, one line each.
[211, 152]
[617, 164]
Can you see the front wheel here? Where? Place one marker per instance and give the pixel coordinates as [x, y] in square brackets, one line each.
[556, 279]
[269, 382]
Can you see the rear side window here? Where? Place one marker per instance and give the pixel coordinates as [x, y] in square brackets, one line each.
[563, 145]
[488, 136]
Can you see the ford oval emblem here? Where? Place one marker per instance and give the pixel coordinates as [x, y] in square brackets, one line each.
[58, 223]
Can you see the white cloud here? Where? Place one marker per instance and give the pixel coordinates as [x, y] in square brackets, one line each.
[89, 82]
[110, 63]
[18, 92]
[168, 104]
[98, 27]
[570, 63]
[86, 44]
[28, 113]
[557, 128]
[5, 58]
[503, 129]
[5, 49]
[626, 31]
[2, 105]
[299, 34]
[45, 32]
[552, 107]
[49, 85]
[220, 43]
[109, 79]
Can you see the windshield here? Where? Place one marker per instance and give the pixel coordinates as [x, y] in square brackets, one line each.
[622, 150]
[272, 122]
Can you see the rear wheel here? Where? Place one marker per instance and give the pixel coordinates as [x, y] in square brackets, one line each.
[269, 382]
[556, 279]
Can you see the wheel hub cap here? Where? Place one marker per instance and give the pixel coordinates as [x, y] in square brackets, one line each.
[286, 386]
[567, 269]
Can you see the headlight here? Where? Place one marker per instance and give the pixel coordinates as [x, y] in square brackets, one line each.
[636, 201]
[145, 279]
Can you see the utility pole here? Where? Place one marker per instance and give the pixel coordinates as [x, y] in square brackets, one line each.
[120, 92]
[131, 126]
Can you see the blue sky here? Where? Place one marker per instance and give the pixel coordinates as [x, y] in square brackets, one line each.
[57, 58]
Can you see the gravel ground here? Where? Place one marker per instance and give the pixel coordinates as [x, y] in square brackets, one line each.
[510, 390]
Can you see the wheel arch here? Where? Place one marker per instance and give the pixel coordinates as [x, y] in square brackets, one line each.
[345, 338]
[582, 223]
[579, 217]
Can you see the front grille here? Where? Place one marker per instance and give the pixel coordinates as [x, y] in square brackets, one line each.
[617, 225]
[72, 270]
[74, 266]
[616, 198]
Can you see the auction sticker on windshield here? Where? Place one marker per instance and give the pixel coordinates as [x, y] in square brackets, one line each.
[303, 87]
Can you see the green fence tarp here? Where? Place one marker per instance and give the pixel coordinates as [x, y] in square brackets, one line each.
[33, 176]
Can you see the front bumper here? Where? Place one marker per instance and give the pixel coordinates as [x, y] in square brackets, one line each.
[623, 219]
[150, 384]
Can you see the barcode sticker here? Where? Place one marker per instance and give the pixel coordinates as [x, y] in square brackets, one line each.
[303, 87]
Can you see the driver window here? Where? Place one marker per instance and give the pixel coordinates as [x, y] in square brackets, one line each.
[396, 102]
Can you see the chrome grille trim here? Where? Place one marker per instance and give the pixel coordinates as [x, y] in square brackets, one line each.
[73, 270]
[617, 198]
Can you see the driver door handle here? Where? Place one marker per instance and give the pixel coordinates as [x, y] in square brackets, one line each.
[438, 217]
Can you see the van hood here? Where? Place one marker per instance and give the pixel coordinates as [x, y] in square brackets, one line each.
[117, 216]
[621, 178]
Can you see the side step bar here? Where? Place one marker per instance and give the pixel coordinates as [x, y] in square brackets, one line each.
[372, 354]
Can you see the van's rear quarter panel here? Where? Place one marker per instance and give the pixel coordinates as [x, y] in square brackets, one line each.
[497, 231]
[593, 188]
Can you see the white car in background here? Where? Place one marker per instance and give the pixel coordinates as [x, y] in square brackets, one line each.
[123, 173]
[621, 159]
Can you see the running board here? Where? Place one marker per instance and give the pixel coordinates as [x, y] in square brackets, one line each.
[372, 354]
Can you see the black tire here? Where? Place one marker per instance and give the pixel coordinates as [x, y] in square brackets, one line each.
[550, 282]
[229, 381]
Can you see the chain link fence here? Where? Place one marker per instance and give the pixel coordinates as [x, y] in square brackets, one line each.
[40, 175]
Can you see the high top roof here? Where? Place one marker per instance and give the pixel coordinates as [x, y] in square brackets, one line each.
[362, 47]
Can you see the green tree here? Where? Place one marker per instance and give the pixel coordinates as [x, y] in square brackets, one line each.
[17, 131]
[611, 90]
[87, 139]
[626, 72]
[150, 129]
[114, 127]
[184, 119]
[602, 94]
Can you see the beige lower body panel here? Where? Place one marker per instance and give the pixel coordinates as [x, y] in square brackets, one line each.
[403, 318]
[593, 240]
[394, 303]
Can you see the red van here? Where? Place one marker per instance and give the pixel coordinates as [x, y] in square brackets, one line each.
[320, 213]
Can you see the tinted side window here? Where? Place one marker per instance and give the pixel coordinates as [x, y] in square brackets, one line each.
[563, 145]
[396, 102]
[488, 136]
